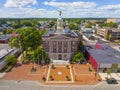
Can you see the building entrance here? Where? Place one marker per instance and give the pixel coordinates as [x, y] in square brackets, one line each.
[59, 57]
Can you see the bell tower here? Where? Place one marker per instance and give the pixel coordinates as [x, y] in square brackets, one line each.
[60, 22]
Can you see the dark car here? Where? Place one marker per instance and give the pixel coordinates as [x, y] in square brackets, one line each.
[112, 81]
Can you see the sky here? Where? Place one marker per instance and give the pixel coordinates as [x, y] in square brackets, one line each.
[50, 8]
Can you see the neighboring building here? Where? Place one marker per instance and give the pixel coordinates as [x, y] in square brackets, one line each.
[3, 54]
[60, 44]
[6, 50]
[113, 32]
[113, 20]
[96, 21]
[5, 38]
[102, 57]
[87, 30]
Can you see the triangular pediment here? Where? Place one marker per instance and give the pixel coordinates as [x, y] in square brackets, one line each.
[60, 37]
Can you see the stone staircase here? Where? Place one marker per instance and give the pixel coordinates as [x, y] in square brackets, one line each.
[60, 62]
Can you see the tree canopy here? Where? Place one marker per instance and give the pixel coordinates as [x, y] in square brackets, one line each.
[27, 37]
[78, 57]
[39, 55]
[11, 60]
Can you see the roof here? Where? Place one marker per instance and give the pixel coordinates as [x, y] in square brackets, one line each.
[106, 55]
[5, 37]
[65, 32]
[4, 53]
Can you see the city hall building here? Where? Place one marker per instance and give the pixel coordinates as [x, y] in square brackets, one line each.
[60, 44]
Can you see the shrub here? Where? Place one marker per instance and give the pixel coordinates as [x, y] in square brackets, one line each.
[9, 68]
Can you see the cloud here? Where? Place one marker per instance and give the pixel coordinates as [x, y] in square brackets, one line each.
[18, 3]
[70, 5]
[110, 7]
[26, 8]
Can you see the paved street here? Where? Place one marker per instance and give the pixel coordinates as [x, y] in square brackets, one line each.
[32, 85]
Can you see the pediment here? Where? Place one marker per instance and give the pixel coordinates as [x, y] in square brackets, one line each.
[60, 37]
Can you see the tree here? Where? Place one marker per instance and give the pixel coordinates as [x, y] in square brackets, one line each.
[11, 60]
[78, 21]
[14, 42]
[39, 55]
[111, 24]
[88, 26]
[78, 57]
[15, 25]
[110, 37]
[71, 25]
[80, 46]
[107, 37]
[29, 37]
[51, 23]
[108, 71]
[27, 23]
[7, 31]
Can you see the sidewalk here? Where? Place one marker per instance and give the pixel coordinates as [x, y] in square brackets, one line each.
[112, 75]
[2, 75]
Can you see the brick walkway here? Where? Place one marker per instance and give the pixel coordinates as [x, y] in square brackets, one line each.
[22, 72]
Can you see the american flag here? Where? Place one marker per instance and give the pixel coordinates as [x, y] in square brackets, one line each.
[15, 34]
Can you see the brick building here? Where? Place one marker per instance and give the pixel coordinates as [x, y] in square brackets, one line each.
[60, 44]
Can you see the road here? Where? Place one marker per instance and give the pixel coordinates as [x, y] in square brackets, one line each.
[32, 85]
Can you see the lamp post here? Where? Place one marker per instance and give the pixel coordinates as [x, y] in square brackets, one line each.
[38, 58]
[42, 61]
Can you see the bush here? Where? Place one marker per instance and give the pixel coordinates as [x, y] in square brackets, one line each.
[9, 68]
[67, 66]
[11, 60]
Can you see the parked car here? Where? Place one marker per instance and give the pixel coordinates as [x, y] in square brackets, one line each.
[112, 81]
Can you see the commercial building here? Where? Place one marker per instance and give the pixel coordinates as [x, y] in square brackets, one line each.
[114, 33]
[113, 20]
[102, 56]
[5, 38]
[60, 44]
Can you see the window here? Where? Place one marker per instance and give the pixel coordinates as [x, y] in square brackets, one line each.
[65, 47]
[54, 46]
[46, 46]
[60, 47]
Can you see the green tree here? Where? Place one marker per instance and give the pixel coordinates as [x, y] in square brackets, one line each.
[110, 37]
[88, 26]
[80, 46]
[15, 25]
[39, 55]
[14, 42]
[27, 23]
[108, 71]
[51, 23]
[78, 21]
[7, 31]
[78, 57]
[29, 37]
[71, 25]
[11, 60]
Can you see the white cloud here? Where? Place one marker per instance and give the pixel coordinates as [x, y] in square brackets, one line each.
[53, 0]
[71, 5]
[18, 3]
[110, 7]
[24, 8]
